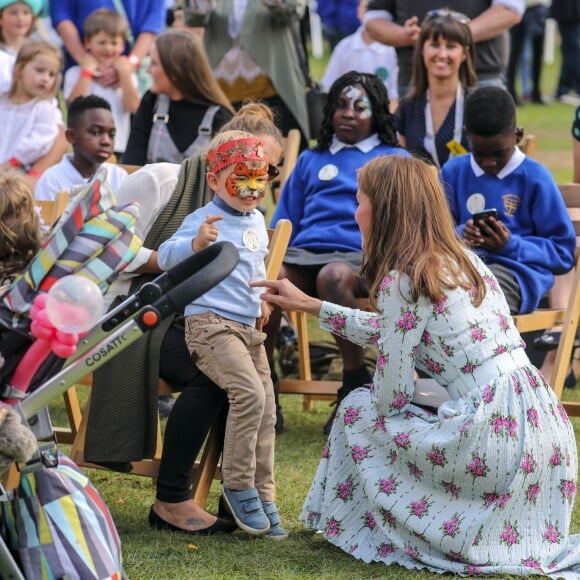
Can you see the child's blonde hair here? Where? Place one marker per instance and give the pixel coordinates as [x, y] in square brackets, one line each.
[19, 223]
[34, 17]
[107, 21]
[27, 53]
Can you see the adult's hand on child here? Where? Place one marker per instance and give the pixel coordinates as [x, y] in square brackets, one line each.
[123, 66]
[207, 233]
[90, 64]
[284, 294]
[107, 76]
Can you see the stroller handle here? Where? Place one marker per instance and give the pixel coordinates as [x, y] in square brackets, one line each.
[196, 275]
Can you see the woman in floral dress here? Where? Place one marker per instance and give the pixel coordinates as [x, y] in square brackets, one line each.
[486, 485]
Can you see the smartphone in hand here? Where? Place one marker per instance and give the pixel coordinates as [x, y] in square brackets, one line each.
[483, 216]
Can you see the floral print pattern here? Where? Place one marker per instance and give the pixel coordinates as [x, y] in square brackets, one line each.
[478, 488]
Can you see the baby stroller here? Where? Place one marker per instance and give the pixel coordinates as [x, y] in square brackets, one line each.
[138, 314]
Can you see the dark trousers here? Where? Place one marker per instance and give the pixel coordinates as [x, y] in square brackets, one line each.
[193, 414]
[570, 71]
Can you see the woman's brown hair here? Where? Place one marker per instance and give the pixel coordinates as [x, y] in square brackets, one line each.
[412, 231]
[184, 61]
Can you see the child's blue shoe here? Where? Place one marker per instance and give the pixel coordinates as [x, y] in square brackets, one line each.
[246, 509]
[277, 532]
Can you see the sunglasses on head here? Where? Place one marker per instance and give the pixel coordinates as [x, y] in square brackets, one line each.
[446, 13]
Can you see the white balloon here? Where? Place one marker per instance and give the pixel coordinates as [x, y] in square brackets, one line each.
[74, 304]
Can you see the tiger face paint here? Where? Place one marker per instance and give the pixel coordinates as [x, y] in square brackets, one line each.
[246, 181]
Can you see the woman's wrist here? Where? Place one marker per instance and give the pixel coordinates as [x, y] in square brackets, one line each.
[88, 74]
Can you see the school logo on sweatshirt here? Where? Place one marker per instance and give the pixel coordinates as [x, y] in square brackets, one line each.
[511, 202]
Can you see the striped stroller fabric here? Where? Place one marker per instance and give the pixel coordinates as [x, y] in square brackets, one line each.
[59, 526]
[92, 238]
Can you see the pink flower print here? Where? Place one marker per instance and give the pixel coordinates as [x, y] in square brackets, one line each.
[426, 338]
[402, 440]
[503, 322]
[433, 367]
[436, 457]
[503, 500]
[477, 537]
[414, 470]
[374, 338]
[556, 457]
[567, 489]
[419, 508]
[469, 367]
[491, 282]
[382, 360]
[456, 556]
[517, 386]
[448, 351]
[385, 550]
[388, 518]
[400, 400]
[440, 307]
[477, 333]
[451, 488]
[532, 417]
[528, 464]
[489, 498]
[387, 486]
[386, 283]
[477, 468]
[503, 426]
[531, 563]
[488, 394]
[325, 452]
[408, 320]
[472, 291]
[412, 552]
[465, 427]
[374, 322]
[562, 413]
[353, 549]
[351, 415]
[451, 527]
[473, 570]
[333, 528]
[344, 490]
[393, 456]
[510, 534]
[532, 492]
[552, 534]
[369, 521]
[500, 349]
[359, 453]
[337, 322]
[380, 424]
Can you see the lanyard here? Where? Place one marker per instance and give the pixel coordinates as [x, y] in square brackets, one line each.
[429, 139]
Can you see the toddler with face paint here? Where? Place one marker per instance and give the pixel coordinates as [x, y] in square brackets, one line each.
[223, 328]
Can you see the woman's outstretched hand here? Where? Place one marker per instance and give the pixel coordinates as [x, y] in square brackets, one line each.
[287, 296]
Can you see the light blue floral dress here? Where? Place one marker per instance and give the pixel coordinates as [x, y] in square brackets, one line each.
[487, 485]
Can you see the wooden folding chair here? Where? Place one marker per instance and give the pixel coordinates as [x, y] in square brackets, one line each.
[207, 468]
[529, 145]
[289, 157]
[568, 317]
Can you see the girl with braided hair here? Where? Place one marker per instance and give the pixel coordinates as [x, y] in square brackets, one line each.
[319, 199]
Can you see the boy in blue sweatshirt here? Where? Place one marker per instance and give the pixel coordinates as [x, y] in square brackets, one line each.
[532, 238]
[223, 328]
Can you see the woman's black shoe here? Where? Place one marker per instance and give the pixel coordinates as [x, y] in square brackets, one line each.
[221, 526]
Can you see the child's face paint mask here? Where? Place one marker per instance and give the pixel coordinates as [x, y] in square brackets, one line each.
[245, 181]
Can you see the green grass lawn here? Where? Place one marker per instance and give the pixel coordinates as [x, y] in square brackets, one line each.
[150, 554]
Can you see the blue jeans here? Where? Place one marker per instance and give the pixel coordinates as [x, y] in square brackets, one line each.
[570, 71]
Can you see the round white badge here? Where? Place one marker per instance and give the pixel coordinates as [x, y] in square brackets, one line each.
[251, 240]
[328, 172]
[475, 202]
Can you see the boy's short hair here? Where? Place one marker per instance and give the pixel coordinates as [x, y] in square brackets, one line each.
[489, 111]
[81, 104]
[104, 20]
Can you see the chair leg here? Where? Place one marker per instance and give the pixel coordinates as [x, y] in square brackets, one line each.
[207, 468]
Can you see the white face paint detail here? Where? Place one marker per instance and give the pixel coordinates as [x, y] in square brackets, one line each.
[352, 93]
[358, 102]
[475, 202]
